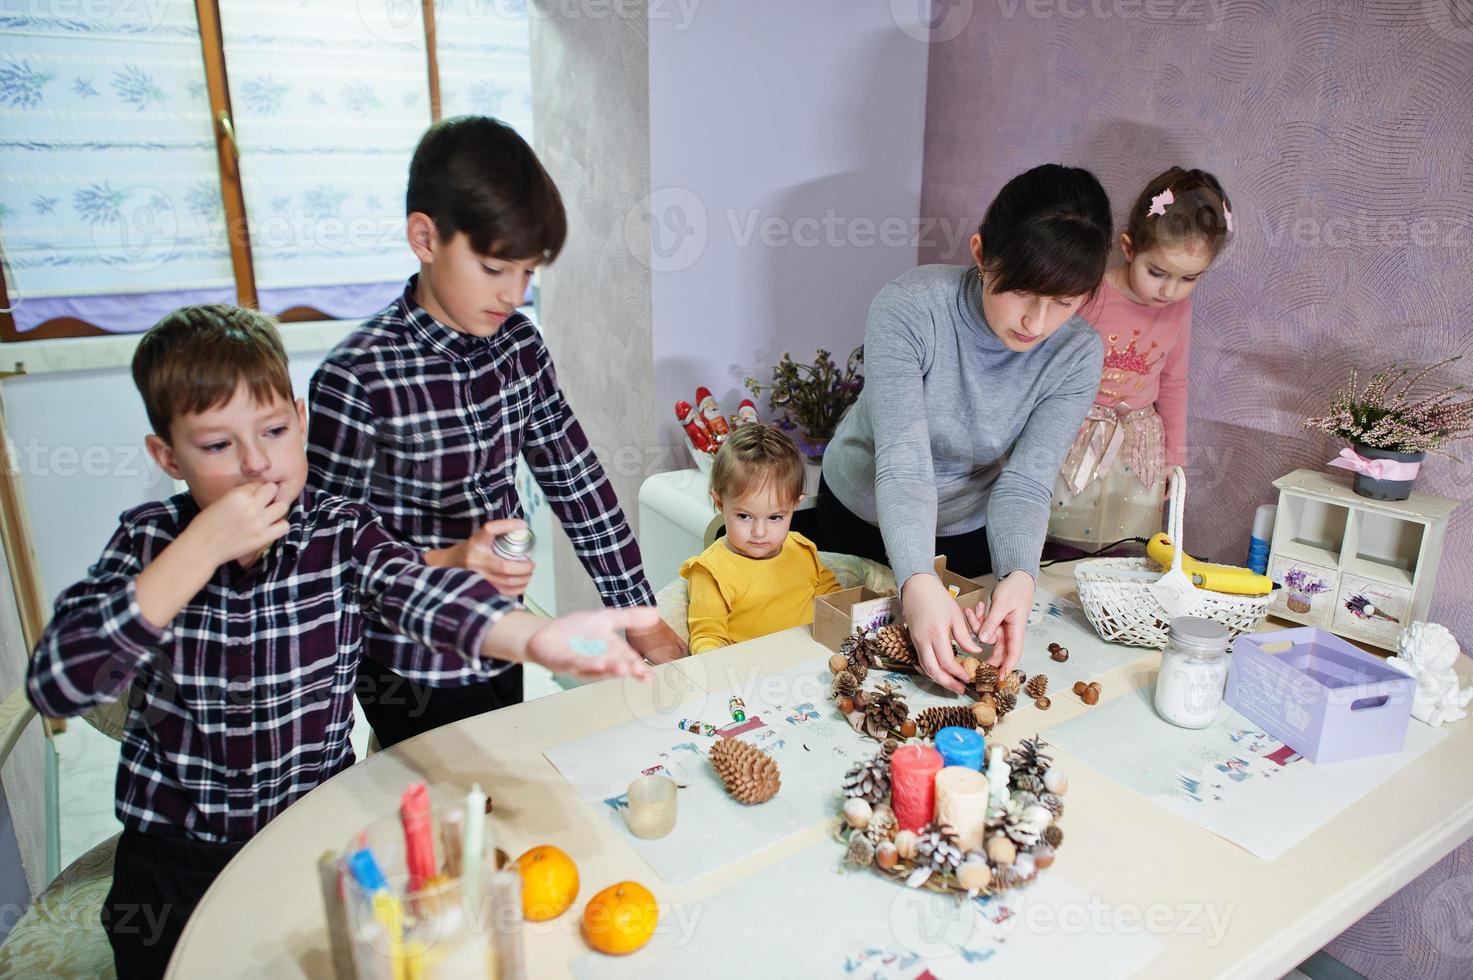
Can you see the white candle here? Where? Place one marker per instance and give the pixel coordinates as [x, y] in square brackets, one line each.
[997, 777]
[961, 803]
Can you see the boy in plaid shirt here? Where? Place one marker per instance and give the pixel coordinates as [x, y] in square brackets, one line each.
[422, 412]
[232, 615]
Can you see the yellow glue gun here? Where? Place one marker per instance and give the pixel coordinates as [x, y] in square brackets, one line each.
[1204, 575]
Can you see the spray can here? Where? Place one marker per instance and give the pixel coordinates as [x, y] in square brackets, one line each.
[515, 545]
[1263, 532]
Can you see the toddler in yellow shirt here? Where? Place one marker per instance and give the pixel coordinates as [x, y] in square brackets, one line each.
[760, 577]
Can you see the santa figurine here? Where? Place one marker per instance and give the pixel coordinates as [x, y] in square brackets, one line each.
[1428, 652]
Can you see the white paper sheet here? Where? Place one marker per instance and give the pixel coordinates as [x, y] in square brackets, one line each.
[810, 916]
[1230, 778]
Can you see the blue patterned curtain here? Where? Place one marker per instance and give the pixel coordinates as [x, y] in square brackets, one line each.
[109, 189]
[110, 206]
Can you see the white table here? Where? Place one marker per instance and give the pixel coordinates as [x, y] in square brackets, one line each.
[263, 916]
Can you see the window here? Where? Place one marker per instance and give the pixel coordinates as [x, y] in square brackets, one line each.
[164, 153]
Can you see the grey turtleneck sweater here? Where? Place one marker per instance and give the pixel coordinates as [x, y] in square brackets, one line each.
[954, 431]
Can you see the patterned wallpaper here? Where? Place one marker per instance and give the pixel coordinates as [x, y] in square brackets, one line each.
[1343, 131]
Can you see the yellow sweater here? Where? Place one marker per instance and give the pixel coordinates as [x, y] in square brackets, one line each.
[735, 598]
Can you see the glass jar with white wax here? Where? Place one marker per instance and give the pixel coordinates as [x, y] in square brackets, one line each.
[1194, 669]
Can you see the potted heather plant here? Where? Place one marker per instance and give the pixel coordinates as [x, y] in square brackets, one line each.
[812, 397]
[1392, 424]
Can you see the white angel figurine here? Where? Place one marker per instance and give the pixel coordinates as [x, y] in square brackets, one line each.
[1428, 651]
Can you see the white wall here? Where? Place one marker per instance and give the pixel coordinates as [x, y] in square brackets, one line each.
[803, 119]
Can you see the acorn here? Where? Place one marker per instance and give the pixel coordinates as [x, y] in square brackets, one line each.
[1054, 648]
[846, 706]
[1079, 688]
[1043, 856]
[1000, 850]
[1091, 695]
[985, 713]
[1094, 686]
[857, 812]
[1042, 704]
[905, 844]
[969, 666]
[1055, 781]
[908, 728]
[974, 874]
[886, 856]
[837, 663]
[1060, 655]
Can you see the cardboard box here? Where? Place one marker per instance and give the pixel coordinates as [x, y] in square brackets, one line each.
[837, 614]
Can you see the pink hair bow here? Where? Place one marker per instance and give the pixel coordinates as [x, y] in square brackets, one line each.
[1228, 217]
[1160, 202]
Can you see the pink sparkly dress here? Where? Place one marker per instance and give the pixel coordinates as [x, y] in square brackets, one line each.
[1113, 480]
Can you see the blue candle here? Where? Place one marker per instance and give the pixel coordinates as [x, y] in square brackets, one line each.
[963, 747]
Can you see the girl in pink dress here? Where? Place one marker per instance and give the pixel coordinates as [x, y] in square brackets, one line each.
[1113, 481]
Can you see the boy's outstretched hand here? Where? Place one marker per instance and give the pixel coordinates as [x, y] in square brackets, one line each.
[588, 645]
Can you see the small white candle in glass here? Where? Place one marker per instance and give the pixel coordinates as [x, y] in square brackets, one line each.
[651, 806]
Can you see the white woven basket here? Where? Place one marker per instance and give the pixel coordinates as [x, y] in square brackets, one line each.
[1122, 608]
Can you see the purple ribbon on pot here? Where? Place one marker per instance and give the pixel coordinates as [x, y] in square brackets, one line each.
[1376, 469]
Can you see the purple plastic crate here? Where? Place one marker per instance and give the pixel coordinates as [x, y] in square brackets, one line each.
[1321, 696]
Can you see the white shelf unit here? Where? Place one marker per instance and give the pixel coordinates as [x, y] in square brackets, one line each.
[1368, 566]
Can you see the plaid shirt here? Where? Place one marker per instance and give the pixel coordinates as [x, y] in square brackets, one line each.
[243, 703]
[424, 424]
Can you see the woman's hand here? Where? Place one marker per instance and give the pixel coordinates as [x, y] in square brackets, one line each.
[935, 620]
[1007, 618]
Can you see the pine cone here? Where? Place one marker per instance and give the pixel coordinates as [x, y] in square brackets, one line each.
[1053, 836]
[894, 647]
[1030, 758]
[1019, 831]
[860, 648]
[1024, 798]
[1037, 686]
[1054, 802]
[1006, 702]
[750, 775]
[1027, 782]
[932, 720]
[884, 709]
[882, 824]
[861, 850]
[936, 850]
[845, 684]
[986, 677]
[1005, 876]
[869, 780]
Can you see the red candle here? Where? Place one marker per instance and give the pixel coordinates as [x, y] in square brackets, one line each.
[913, 770]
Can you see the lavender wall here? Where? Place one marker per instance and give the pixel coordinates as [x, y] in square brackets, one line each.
[1342, 132]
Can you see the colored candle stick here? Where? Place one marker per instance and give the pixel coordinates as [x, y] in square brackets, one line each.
[961, 802]
[961, 747]
[913, 771]
[452, 838]
[475, 842]
[998, 772]
[419, 843]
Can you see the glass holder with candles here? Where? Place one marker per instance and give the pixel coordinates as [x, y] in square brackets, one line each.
[404, 897]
